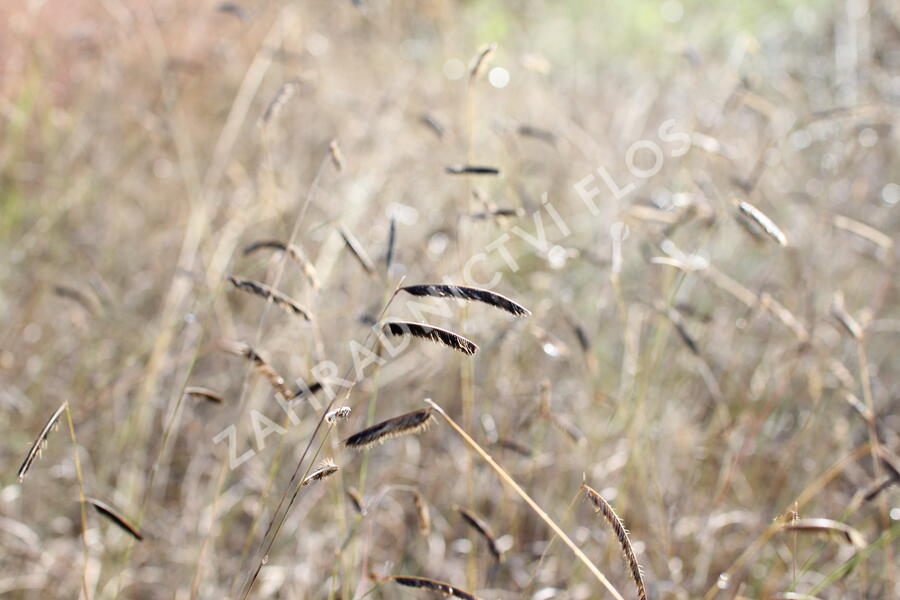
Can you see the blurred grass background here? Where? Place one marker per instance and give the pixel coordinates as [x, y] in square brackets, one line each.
[133, 170]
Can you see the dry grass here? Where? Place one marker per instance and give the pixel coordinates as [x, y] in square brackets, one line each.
[718, 339]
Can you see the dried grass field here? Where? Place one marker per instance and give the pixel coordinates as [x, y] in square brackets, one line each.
[470, 299]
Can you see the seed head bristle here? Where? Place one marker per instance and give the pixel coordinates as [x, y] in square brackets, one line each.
[481, 526]
[293, 251]
[279, 100]
[88, 302]
[879, 486]
[113, 515]
[325, 468]
[338, 414]
[481, 60]
[497, 213]
[392, 241]
[40, 441]
[261, 366]
[891, 463]
[439, 587]
[581, 334]
[435, 334]
[764, 222]
[850, 535]
[407, 423]
[357, 250]
[262, 290]
[467, 293]
[422, 513]
[568, 427]
[513, 446]
[751, 227]
[303, 390]
[433, 124]
[471, 170]
[203, 393]
[230, 8]
[678, 322]
[603, 507]
[337, 157]
[536, 132]
[357, 500]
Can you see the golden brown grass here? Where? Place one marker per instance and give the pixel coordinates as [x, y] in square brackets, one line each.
[722, 387]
